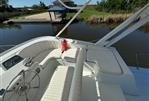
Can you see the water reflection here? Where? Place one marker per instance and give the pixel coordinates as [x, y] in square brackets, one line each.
[57, 27]
[134, 48]
[12, 26]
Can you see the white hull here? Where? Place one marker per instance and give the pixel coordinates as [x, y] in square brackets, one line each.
[105, 76]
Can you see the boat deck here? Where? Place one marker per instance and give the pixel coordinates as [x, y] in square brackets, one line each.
[142, 80]
[90, 86]
[101, 64]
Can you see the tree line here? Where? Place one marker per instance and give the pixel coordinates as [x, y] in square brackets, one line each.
[5, 7]
[39, 6]
[120, 5]
[3, 2]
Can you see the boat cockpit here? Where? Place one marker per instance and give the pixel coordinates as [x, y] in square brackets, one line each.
[46, 69]
[39, 63]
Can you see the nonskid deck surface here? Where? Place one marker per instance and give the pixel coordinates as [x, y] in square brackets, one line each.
[142, 80]
[97, 56]
[90, 86]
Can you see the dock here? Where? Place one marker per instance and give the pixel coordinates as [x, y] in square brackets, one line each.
[35, 18]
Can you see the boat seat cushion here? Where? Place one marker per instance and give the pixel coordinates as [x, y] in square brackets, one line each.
[111, 68]
[105, 60]
[59, 86]
[55, 53]
[75, 90]
[70, 55]
[41, 55]
[111, 92]
[65, 84]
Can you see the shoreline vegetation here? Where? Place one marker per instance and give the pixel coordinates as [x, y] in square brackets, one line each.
[93, 16]
[90, 15]
[109, 19]
[9, 12]
[10, 15]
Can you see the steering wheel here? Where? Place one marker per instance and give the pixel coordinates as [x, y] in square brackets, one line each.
[25, 81]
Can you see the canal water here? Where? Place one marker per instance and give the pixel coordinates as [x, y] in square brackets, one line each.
[134, 48]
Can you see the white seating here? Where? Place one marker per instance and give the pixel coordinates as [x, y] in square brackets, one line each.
[37, 48]
[47, 49]
[41, 56]
[59, 84]
[105, 59]
[75, 91]
[48, 54]
[111, 92]
[55, 53]
[70, 55]
[66, 82]
[112, 69]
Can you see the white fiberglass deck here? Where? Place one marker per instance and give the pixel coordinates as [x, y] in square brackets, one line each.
[142, 80]
[90, 86]
[106, 77]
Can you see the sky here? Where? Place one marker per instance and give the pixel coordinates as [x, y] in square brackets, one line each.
[22, 3]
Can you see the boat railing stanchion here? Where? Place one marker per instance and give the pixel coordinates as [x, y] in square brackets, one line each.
[74, 17]
[126, 28]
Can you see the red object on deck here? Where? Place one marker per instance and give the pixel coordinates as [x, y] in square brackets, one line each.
[63, 45]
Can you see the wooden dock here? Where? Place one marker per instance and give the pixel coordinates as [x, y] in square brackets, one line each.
[36, 18]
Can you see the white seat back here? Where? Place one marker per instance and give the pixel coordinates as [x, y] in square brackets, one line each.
[75, 90]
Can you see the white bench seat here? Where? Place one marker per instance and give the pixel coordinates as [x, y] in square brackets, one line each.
[55, 53]
[42, 55]
[66, 82]
[70, 55]
[110, 68]
[111, 92]
[105, 59]
[59, 85]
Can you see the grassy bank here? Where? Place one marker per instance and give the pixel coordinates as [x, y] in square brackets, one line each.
[7, 15]
[90, 14]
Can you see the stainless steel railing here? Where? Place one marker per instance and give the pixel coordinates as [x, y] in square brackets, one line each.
[73, 18]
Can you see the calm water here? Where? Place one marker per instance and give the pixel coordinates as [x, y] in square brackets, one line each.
[134, 48]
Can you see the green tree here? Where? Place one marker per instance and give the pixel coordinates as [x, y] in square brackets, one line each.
[42, 5]
[4, 5]
[35, 6]
[39, 6]
[120, 5]
[3, 2]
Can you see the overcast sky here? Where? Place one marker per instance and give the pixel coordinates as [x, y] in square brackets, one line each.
[22, 3]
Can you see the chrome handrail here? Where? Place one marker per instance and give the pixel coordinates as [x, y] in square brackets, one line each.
[80, 10]
[134, 22]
